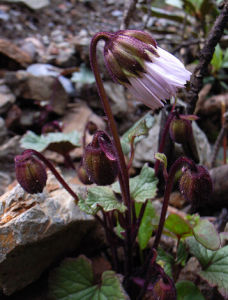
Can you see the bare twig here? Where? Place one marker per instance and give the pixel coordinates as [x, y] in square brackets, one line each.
[205, 57]
[128, 14]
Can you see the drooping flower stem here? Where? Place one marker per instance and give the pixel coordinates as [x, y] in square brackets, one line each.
[163, 139]
[124, 181]
[123, 172]
[55, 172]
[168, 189]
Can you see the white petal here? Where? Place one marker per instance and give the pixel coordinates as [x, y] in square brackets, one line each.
[143, 93]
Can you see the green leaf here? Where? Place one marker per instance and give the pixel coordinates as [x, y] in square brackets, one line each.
[139, 130]
[217, 59]
[74, 280]
[55, 141]
[214, 264]
[84, 76]
[100, 196]
[177, 225]
[143, 186]
[186, 290]
[146, 226]
[166, 260]
[206, 234]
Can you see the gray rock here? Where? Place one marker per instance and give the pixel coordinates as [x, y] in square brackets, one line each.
[41, 82]
[7, 98]
[34, 4]
[35, 230]
[3, 130]
[116, 94]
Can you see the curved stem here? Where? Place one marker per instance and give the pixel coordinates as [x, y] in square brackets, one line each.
[123, 172]
[169, 185]
[55, 172]
[124, 180]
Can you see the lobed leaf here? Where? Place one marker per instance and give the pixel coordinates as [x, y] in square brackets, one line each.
[100, 196]
[214, 265]
[143, 186]
[74, 280]
[56, 141]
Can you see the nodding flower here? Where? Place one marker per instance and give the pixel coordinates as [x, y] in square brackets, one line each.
[151, 74]
[30, 173]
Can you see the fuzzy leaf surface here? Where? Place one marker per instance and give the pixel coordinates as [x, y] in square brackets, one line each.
[74, 280]
[177, 225]
[214, 265]
[100, 196]
[143, 186]
[57, 141]
[207, 235]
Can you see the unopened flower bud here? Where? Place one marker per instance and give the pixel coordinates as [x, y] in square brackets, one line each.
[180, 130]
[83, 176]
[151, 74]
[30, 173]
[100, 160]
[196, 185]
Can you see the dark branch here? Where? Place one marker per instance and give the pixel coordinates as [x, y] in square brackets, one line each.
[128, 14]
[205, 57]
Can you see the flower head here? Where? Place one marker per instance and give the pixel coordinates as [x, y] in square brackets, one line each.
[151, 74]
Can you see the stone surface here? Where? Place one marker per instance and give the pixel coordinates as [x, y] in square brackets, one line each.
[116, 94]
[34, 4]
[35, 230]
[7, 98]
[40, 83]
[12, 51]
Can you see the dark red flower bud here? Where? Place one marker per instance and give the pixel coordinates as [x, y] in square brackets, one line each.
[82, 175]
[30, 173]
[100, 160]
[180, 130]
[196, 185]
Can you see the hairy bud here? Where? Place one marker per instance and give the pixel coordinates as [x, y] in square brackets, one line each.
[180, 130]
[82, 175]
[30, 173]
[100, 160]
[196, 185]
